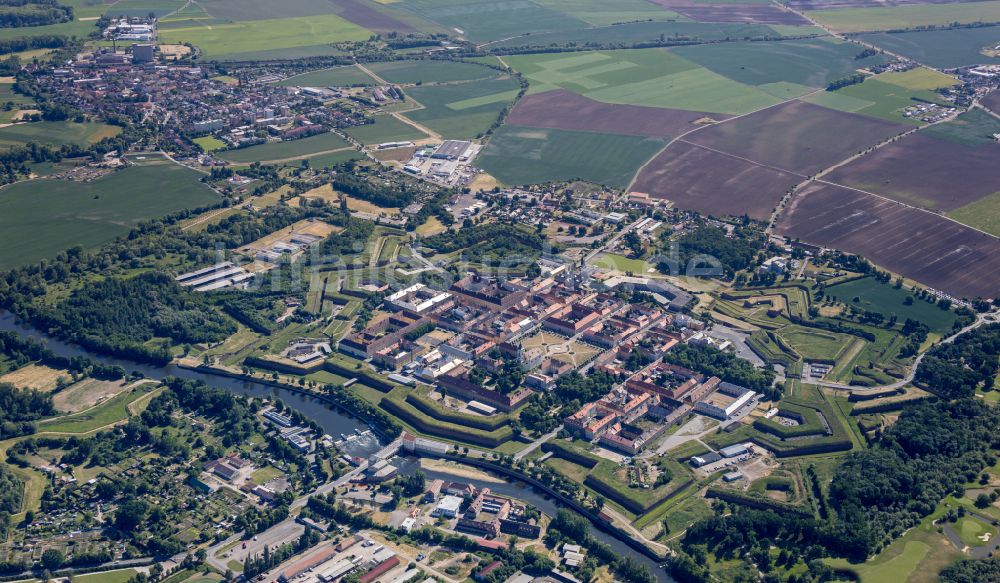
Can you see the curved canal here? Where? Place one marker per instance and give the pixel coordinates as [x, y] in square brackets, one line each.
[330, 420]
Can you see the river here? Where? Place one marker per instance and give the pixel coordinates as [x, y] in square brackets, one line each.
[332, 421]
[539, 500]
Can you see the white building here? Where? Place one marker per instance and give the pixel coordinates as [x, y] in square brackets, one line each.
[418, 298]
[448, 507]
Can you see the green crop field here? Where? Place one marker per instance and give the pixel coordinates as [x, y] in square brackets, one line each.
[264, 9]
[80, 28]
[920, 78]
[887, 300]
[225, 39]
[385, 129]
[944, 49]
[329, 160]
[652, 77]
[56, 133]
[286, 150]
[465, 110]
[634, 33]
[810, 62]
[406, 72]
[336, 77]
[984, 214]
[910, 16]
[120, 576]
[39, 218]
[520, 155]
[601, 13]
[973, 128]
[487, 20]
[144, 7]
[875, 98]
[7, 94]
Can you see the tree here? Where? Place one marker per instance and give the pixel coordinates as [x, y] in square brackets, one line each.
[130, 515]
[52, 559]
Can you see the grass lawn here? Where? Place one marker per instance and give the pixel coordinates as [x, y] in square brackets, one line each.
[385, 129]
[887, 300]
[56, 133]
[234, 38]
[816, 344]
[265, 474]
[39, 218]
[348, 76]
[406, 72]
[111, 411]
[970, 529]
[521, 155]
[622, 263]
[119, 576]
[984, 214]
[210, 143]
[286, 150]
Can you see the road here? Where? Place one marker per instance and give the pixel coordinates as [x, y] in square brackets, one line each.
[982, 319]
[286, 530]
[537, 443]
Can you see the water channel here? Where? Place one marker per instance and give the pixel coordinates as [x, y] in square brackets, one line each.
[332, 421]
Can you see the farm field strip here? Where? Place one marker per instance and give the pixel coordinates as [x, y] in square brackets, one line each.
[915, 243]
[919, 170]
[906, 17]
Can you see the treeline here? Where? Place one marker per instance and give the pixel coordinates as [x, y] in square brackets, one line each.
[572, 528]
[492, 244]
[956, 369]
[11, 493]
[121, 316]
[846, 82]
[29, 43]
[697, 248]
[972, 571]
[21, 351]
[20, 408]
[20, 13]
[932, 450]
[433, 207]
[234, 416]
[358, 186]
[730, 368]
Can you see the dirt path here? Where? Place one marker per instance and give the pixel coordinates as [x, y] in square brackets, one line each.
[306, 157]
[681, 137]
[431, 133]
[982, 319]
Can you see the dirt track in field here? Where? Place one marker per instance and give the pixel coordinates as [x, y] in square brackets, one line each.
[917, 244]
[928, 172]
[565, 110]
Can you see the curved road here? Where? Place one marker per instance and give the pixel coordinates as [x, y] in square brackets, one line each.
[981, 319]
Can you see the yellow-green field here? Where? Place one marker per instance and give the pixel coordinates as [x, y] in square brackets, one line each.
[902, 17]
[278, 33]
